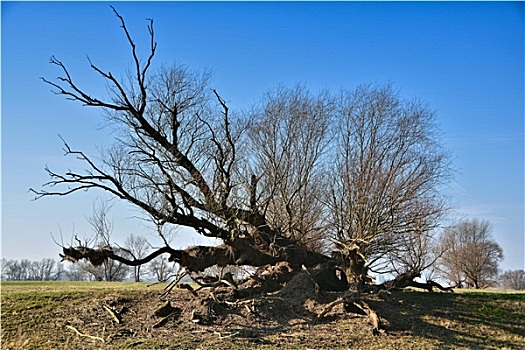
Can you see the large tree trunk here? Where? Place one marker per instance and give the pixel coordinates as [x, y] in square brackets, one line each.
[238, 252]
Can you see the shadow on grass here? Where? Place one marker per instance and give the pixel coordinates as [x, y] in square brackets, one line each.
[472, 320]
[446, 320]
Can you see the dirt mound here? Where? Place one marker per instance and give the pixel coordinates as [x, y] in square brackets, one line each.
[47, 319]
[300, 288]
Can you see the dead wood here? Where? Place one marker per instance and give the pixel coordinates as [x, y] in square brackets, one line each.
[346, 297]
[407, 280]
[116, 316]
[354, 303]
[187, 287]
[440, 287]
[83, 335]
[167, 312]
[294, 284]
[164, 310]
[174, 314]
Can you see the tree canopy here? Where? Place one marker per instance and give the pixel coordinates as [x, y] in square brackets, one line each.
[471, 255]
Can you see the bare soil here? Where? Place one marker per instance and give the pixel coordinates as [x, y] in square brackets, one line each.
[127, 316]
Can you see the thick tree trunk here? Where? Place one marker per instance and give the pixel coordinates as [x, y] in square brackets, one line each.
[240, 251]
[354, 267]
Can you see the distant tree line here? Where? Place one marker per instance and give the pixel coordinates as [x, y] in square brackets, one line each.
[25, 270]
[52, 270]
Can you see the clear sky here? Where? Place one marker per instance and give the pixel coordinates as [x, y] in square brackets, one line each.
[465, 59]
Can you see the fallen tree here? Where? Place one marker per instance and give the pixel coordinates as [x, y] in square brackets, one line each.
[267, 183]
[271, 281]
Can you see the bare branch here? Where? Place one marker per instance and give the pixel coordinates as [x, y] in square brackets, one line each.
[140, 71]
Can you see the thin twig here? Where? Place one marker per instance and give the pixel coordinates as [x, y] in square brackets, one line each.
[84, 335]
[226, 336]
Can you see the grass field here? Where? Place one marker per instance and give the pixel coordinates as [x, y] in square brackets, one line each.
[71, 315]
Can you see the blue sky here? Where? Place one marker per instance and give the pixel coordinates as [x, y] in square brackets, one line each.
[465, 59]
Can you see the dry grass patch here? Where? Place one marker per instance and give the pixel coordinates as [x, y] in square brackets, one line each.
[74, 316]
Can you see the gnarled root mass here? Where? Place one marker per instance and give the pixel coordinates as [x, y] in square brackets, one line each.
[272, 290]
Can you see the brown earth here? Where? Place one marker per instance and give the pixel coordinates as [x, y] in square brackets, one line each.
[124, 317]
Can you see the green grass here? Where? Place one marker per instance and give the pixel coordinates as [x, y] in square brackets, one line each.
[497, 306]
[62, 286]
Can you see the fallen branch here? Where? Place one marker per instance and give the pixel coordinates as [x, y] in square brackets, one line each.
[407, 280]
[353, 298]
[164, 310]
[226, 280]
[113, 314]
[429, 285]
[226, 336]
[440, 287]
[84, 335]
[172, 284]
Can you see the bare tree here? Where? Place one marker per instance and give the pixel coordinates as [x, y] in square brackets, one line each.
[385, 188]
[6, 269]
[162, 269]
[102, 226]
[177, 159]
[44, 270]
[417, 252]
[101, 223]
[513, 279]
[138, 248]
[471, 255]
[78, 272]
[263, 183]
[15, 270]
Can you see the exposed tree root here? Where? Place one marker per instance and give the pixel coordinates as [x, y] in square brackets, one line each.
[346, 297]
[274, 284]
[407, 280]
[372, 316]
[354, 303]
